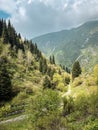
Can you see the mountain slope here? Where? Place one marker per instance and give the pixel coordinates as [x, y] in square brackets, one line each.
[68, 45]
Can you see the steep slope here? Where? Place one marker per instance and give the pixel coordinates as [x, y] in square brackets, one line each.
[68, 45]
[23, 60]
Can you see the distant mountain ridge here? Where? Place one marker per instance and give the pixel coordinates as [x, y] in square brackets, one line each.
[68, 45]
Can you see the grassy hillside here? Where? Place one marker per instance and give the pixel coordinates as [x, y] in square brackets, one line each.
[42, 96]
[68, 45]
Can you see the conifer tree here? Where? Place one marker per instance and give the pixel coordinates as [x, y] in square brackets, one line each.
[35, 48]
[5, 80]
[50, 60]
[44, 66]
[67, 70]
[63, 67]
[53, 60]
[5, 33]
[40, 66]
[1, 27]
[76, 70]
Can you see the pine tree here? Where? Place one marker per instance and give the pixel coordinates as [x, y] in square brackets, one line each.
[50, 60]
[5, 33]
[44, 66]
[63, 67]
[1, 27]
[5, 80]
[40, 66]
[13, 38]
[67, 70]
[35, 48]
[76, 70]
[19, 36]
[53, 60]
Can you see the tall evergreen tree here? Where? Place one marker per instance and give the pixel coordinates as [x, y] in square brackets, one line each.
[1, 27]
[50, 60]
[53, 60]
[5, 80]
[76, 70]
[40, 66]
[5, 32]
[67, 70]
[44, 65]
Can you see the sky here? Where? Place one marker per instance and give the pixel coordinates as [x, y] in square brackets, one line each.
[36, 17]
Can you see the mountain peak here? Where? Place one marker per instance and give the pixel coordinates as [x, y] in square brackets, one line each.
[69, 44]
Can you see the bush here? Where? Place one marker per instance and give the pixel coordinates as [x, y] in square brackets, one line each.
[77, 82]
[67, 79]
[45, 111]
[92, 125]
[68, 105]
[82, 105]
[61, 87]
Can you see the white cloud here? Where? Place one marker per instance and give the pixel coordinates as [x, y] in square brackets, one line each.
[22, 11]
[8, 6]
[29, 1]
[35, 17]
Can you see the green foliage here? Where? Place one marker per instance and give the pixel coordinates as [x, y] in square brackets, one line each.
[96, 73]
[68, 105]
[76, 70]
[92, 125]
[67, 79]
[5, 32]
[77, 82]
[5, 80]
[47, 82]
[60, 81]
[43, 65]
[45, 112]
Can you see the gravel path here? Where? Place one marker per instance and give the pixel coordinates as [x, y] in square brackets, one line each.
[19, 118]
[68, 92]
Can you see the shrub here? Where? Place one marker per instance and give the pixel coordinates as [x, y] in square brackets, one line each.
[77, 82]
[92, 125]
[67, 79]
[45, 111]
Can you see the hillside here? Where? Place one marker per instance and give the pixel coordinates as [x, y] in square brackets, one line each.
[68, 45]
[37, 94]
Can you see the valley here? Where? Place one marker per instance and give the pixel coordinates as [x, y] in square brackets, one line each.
[36, 93]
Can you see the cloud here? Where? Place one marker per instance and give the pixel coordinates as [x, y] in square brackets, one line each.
[36, 17]
[8, 6]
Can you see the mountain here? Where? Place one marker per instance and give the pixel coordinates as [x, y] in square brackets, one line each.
[68, 45]
[37, 94]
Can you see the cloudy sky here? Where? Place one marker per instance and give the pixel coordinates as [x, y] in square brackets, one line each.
[35, 17]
